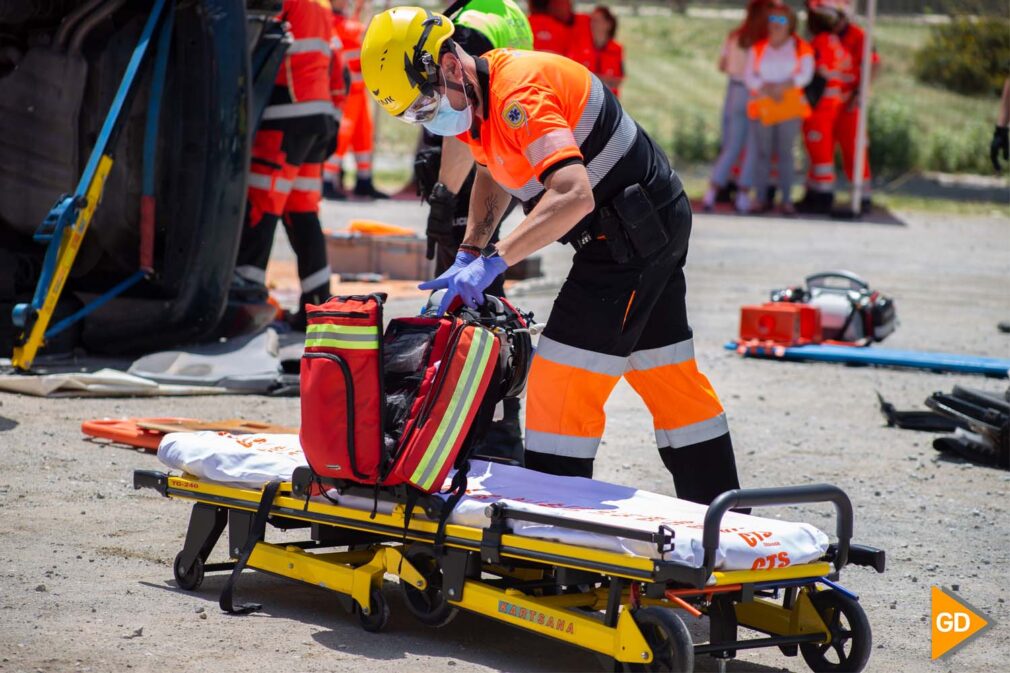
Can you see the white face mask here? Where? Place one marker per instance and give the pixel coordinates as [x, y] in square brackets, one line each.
[448, 121]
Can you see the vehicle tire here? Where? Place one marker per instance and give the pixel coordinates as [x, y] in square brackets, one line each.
[668, 638]
[851, 639]
[192, 580]
[378, 616]
[429, 606]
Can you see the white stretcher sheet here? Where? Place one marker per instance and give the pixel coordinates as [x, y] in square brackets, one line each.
[746, 542]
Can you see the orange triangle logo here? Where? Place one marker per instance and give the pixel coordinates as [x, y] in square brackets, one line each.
[954, 622]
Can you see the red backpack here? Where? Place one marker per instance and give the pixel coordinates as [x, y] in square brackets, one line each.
[391, 409]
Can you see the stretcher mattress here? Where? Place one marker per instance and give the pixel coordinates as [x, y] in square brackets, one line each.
[746, 542]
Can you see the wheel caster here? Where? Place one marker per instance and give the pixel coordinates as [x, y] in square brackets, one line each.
[378, 616]
[668, 638]
[192, 580]
[430, 605]
[851, 639]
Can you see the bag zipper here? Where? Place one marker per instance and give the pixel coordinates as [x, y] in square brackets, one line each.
[337, 314]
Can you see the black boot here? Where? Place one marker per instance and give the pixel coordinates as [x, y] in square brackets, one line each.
[333, 190]
[816, 203]
[364, 188]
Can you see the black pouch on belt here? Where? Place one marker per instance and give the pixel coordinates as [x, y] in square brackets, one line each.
[612, 228]
[645, 230]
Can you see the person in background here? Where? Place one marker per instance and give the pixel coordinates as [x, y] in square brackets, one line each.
[298, 131]
[1001, 135]
[824, 93]
[608, 54]
[776, 71]
[559, 30]
[356, 128]
[732, 61]
[853, 38]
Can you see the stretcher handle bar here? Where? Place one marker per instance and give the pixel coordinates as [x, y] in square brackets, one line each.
[783, 495]
[662, 537]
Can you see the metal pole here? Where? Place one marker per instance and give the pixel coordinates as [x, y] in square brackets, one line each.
[859, 163]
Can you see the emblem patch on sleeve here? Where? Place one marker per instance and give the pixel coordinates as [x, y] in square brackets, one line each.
[514, 115]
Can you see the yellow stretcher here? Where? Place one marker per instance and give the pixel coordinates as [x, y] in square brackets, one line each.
[619, 605]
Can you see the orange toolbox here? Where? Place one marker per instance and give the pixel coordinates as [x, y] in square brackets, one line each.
[784, 323]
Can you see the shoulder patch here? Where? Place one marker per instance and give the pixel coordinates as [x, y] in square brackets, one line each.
[514, 115]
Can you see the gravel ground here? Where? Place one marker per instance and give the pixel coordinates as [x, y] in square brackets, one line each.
[85, 576]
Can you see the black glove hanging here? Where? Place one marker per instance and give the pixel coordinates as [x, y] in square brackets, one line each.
[1000, 144]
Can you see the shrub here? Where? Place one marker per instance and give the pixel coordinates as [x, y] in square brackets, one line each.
[968, 56]
[893, 141]
[694, 141]
[963, 150]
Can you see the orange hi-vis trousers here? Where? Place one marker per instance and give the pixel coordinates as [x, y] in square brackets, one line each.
[356, 130]
[845, 136]
[819, 139]
[627, 319]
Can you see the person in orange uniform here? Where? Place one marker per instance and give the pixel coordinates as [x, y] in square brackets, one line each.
[557, 29]
[853, 39]
[607, 54]
[545, 130]
[824, 92]
[297, 132]
[356, 127]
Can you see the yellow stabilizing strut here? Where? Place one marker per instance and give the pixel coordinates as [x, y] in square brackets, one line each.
[70, 243]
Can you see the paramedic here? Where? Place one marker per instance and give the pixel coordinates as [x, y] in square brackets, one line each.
[852, 38]
[356, 128]
[444, 170]
[546, 131]
[296, 135]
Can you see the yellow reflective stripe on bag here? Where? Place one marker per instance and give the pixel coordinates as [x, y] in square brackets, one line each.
[357, 337]
[454, 418]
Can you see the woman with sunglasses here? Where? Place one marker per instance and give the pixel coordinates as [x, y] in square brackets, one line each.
[777, 69]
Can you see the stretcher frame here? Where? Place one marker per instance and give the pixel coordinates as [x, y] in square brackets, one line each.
[591, 598]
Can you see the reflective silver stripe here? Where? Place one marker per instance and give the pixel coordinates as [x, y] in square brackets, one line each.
[548, 144]
[336, 44]
[591, 111]
[252, 273]
[694, 433]
[309, 44]
[282, 186]
[673, 354]
[288, 110]
[527, 191]
[569, 446]
[260, 181]
[357, 77]
[580, 358]
[315, 280]
[616, 147]
[307, 184]
[823, 169]
[352, 53]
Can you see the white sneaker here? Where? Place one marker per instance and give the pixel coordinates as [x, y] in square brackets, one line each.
[742, 202]
[708, 201]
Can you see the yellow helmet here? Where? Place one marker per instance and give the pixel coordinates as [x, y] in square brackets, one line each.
[399, 55]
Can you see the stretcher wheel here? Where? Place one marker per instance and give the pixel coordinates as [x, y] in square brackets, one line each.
[668, 638]
[378, 616]
[192, 580]
[429, 605]
[851, 639]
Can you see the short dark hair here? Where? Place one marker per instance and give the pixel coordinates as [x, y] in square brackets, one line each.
[611, 19]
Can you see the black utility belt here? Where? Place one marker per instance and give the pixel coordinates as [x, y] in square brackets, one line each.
[631, 222]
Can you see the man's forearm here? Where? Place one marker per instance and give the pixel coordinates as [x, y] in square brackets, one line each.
[455, 165]
[487, 203]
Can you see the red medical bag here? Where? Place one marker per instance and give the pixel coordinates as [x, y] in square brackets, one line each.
[392, 409]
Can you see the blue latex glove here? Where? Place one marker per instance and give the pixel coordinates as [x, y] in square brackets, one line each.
[469, 283]
[462, 260]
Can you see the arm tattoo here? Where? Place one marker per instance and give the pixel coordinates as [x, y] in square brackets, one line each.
[486, 224]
